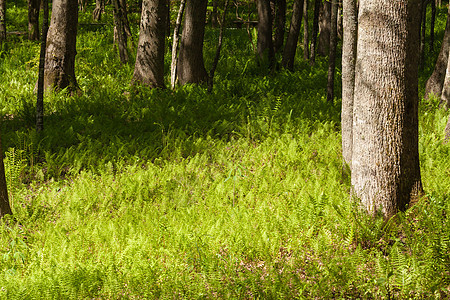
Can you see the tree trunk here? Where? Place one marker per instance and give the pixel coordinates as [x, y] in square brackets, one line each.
[2, 20]
[40, 83]
[5, 208]
[423, 33]
[61, 46]
[191, 66]
[173, 65]
[119, 27]
[214, 14]
[385, 161]
[447, 131]
[124, 16]
[332, 53]
[99, 8]
[149, 67]
[432, 22]
[315, 31]
[324, 29]
[280, 24]
[445, 96]
[264, 45]
[435, 82]
[305, 31]
[33, 19]
[350, 23]
[292, 39]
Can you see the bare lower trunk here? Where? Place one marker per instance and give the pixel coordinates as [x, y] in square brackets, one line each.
[33, 19]
[385, 162]
[324, 29]
[305, 31]
[445, 96]
[332, 55]
[119, 28]
[350, 23]
[40, 83]
[432, 22]
[435, 82]
[149, 67]
[294, 31]
[5, 208]
[2, 20]
[280, 23]
[447, 131]
[124, 16]
[315, 31]
[176, 36]
[423, 33]
[264, 43]
[99, 8]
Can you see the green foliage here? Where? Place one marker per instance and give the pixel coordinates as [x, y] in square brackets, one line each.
[139, 193]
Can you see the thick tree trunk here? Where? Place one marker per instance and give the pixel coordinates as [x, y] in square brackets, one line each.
[435, 82]
[332, 53]
[40, 83]
[61, 46]
[191, 66]
[432, 22]
[315, 31]
[33, 19]
[149, 67]
[445, 96]
[119, 28]
[173, 65]
[2, 20]
[305, 30]
[350, 23]
[292, 39]
[385, 162]
[280, 24]
[5, 208]
[264, 45]
[324, 29]
[99, 8]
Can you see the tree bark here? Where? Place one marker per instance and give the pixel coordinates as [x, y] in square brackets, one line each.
[124, 16]
[350, 23]
[292, 39]
[332, 53]
[40, 87]
[264, 45]
[173, 66]
[149, 67]
[324, 28]
[432, 23]
[5, 208]
[2, 20]
[99, 8]
[435, 82]
[280, 24]
[447, 131]
[214, 14]
[33, 19]
[305, 30]
[61, 46]
[119, 27]
[385, 162]
[191, 66]
[423, 33]
[315, 31]
[445, 96]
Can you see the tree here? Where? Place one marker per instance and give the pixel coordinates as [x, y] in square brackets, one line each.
[120, 30]
[40, 83]
[264, 44]
[324, 28]
[332, 53]
[61, 46]
[445, 95]
[149, 67]
[447, 131]
[5, 208]
[191, 66]
[292, 39]
[315, 31]
[33, 19]
[350, 23]
[2, 20]
[385, 161]
[280, 23]
[435, 82]
[174, 63]
[305, 31]
[99, 8]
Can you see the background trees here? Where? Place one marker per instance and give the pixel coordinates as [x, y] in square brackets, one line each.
[4, 201]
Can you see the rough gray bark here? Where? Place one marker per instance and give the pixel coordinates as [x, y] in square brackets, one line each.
[40, 83]
[61, 46]
[176, 36]
[332, 53]
[98, 10]
[33, 19]
[445, 96]
[315, 31]
[191, 66]
[149, 67]
[350, 24]
[2, 20]
[305, 30]
[385, 162]
[280, 24]
[5, 208]
[324, 28]
[119, 29]
[264, 45]
[435, 82]
[290, 48]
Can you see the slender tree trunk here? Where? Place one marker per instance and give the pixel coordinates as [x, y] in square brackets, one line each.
[264, 45]
[149, 67]
[176, 36]
[214, 14]
[435, 82]
[2, 20]
[332, 54]
[432, 23]
[121, 33]
[124, 16]
[292, 39]
[280, 24]
[41, 78]
[447, 131]
[99, 8]
[324, 29]
[5, 208]
[315, 31]
[33, 19]
[191, 66]
[385, 161]
[423, 33]
[350, 23]
[61, 46]
[305, 30]
[445, 96]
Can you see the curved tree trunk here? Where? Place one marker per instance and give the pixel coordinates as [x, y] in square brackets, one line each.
[2, 20]
[280, 23]
[5, 208]
[264, 45]
[305, 30]
[191, 66]
[385, 162]
[315, 31]
[324, 29]
[149, 67]
[332, 55]
[33, 19]
[435, 82]
[292, 39]
[350, 23]
[61, 46]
